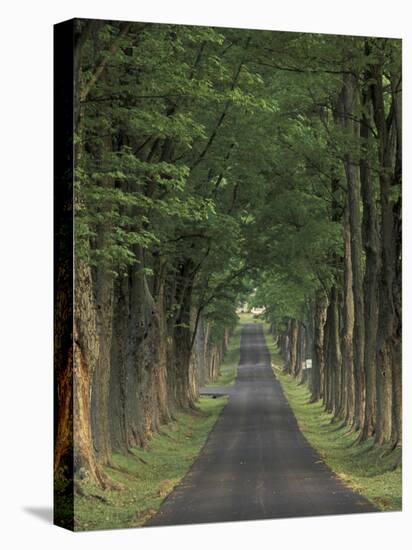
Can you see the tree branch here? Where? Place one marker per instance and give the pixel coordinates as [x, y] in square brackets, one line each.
[124, 27]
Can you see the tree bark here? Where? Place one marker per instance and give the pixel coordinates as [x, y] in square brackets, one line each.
[103, 284]
[300, 349]
[118, 372]
[349, 98]
[318, 359]
[372, 266]
[86, 349]
[293, 350]
[389, 422]
[348, 403]
[332, 354]
[101, 379]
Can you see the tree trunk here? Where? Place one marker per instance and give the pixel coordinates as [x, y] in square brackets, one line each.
[181, 388]
[101, 379]
[293, 350]
[349, 98]
[86, 350]
[142, 333]
[348, 408]
[161, 369]
[332, 354]
[318, 360]
[103, 293]
[389, 422]
[301, 349]
[372, 266]
[118, 372]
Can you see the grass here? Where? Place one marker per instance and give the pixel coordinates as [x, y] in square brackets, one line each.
[148, 475]
[368, 470]
[228, 368]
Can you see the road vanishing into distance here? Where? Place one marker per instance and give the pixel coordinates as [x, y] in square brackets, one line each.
[256, 464]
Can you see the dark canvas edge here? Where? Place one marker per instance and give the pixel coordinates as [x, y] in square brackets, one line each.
[63, 126]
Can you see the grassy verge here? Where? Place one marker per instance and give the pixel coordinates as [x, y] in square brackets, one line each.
[148, 475]
[228, 368]
[368, 470]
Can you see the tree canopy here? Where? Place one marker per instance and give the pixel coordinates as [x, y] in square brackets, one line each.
[212, 162]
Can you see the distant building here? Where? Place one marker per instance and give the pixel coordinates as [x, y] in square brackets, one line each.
[245, 308]
[257, 310]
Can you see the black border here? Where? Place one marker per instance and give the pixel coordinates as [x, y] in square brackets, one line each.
[63, 111]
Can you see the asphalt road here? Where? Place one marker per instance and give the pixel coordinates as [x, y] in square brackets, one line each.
[256, 464]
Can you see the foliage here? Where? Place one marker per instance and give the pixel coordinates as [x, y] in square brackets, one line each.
[215, 133]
